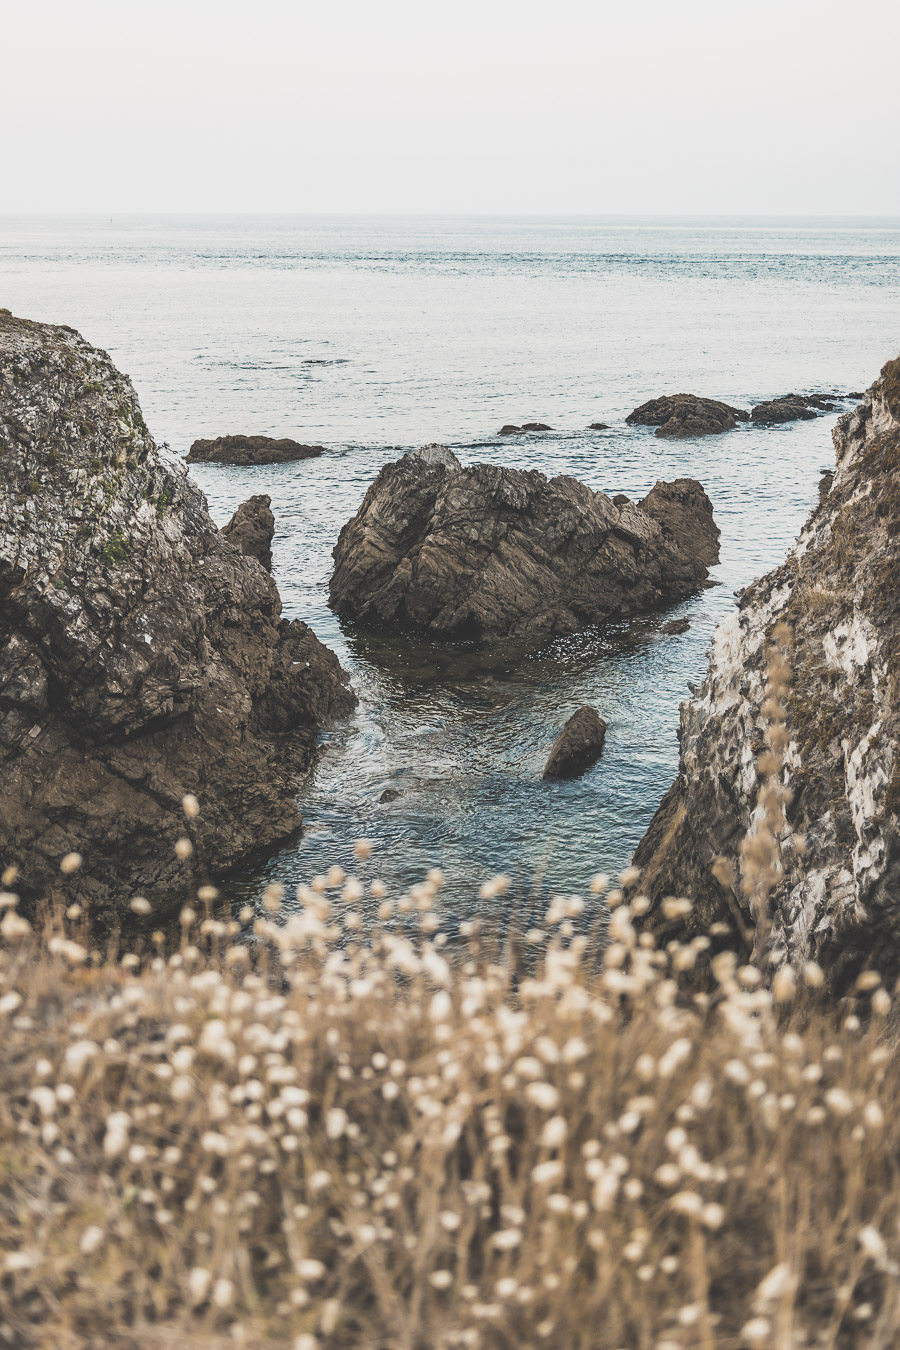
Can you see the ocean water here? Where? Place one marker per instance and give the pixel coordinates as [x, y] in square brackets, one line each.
[372, 336]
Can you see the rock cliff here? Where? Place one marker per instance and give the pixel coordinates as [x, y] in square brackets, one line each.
[142, 655]
[835, 894]
[490, 553]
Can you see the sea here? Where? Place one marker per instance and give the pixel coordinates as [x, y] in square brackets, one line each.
[373, 335]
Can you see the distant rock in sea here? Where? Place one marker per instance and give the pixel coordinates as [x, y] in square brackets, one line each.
[791, 408]
[578, 745]
[142, 656]
[252, 528]
[832, 607]
[244, 450]
[490, 553]
[598, 426]
[510, 430]
[680, 416]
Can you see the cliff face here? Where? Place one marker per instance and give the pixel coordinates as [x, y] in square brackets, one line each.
[142, 655]
[837, 899]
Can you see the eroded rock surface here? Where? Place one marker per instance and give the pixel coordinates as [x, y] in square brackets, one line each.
[252, 529]
[489, 553]
[838, 900]
[250, 450]
[142, 656]
[679, 416]
[578, 745]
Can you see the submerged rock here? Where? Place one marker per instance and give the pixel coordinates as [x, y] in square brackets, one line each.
[491, 553]
[837, 894]
[250, 450]
[578, 745]
[679, 416]
[142, 656]
[252, 528]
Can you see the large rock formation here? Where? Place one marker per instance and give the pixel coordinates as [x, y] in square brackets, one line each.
[250, 450]
[679, 416]
[492, 553]
[142, 656]
[836, 893]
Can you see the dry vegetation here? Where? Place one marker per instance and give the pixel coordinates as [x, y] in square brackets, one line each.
[273, 1132]
[309, 1140]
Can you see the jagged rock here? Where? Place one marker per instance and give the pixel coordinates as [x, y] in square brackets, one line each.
[491, 553]
[675, 626]
[578, 745]
[142, 656]
[838, 901]
[679, 416]
[250, 450]
[789, 408]
[252, 528]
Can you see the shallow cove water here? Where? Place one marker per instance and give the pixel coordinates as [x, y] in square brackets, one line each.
[374, 336]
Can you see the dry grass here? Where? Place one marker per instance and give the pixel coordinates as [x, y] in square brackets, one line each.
[308, 1140]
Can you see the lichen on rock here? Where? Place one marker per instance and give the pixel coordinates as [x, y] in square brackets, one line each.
[142, 656]
[837, 900]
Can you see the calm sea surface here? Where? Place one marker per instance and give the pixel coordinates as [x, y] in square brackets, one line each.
[372, 336]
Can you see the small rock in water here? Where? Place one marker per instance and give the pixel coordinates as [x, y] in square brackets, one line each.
[680, 416]
[675, 626]
[390, 795]
[788, 408]
[252, 528]
[509, 430]
[598, 426]
[535, 426]
[250, 450]
[578, 745]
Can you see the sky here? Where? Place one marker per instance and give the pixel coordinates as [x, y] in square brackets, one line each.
[575, 106]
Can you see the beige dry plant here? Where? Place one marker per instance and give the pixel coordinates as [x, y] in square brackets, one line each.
[313, 1141]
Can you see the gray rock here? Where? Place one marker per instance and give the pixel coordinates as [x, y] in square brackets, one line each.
[142, 656]
[838, 899]
[675, 626]
[578, 745]
[490, 553]
[788, 408]
[252, 528]
[680, 416]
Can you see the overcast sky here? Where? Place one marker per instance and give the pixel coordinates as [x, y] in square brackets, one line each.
[697, 106]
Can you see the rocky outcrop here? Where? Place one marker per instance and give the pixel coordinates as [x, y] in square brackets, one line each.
[792, 408]
[252, 529]
[835, 894]
[578, 745]
[679, 416]
[598, 426]
[492, 553]
[142, 656]
[250, 450]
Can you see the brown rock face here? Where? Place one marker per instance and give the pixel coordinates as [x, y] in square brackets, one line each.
[838, 898]
[492, 553]
[578, 745]
[679, 416]
[252, 529]
[142, 656]
[250, 450]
